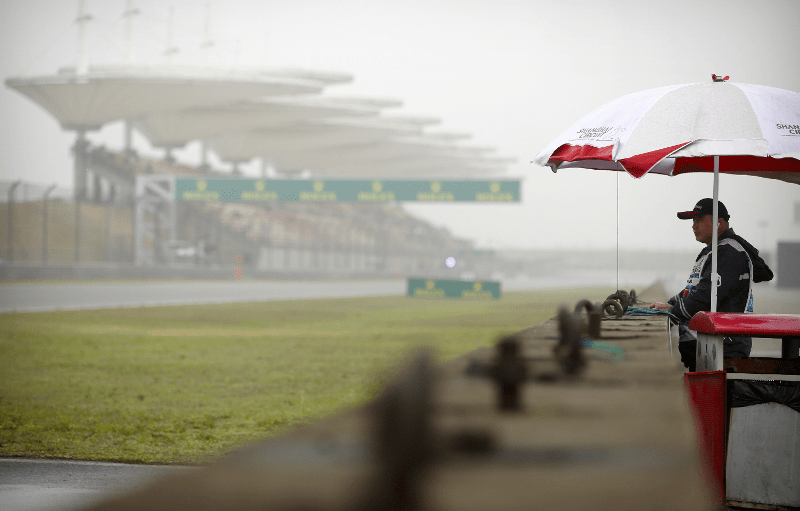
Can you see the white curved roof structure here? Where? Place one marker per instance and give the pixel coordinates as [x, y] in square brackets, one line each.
[175, 129]
[429, 166]
[106, 94]
[401, 157]
[242, 113]
[379, 151]
[246, 113]
[273, 143]
[322, 77]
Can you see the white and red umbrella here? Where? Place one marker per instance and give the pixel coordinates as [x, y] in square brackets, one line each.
[732, 128]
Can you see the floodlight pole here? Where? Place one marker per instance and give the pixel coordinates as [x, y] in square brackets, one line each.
[171, 49]
[80, 164]
[130, 12]
[81, 172]
[207, 42]
[83, 18]
[714, 237]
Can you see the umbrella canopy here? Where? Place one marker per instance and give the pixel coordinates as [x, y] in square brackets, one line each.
[715, 127]
[677, 129]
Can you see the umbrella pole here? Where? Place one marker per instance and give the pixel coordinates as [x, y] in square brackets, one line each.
[714, 237]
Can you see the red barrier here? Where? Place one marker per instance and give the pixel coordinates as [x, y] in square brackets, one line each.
[744, 324]
[706, 392]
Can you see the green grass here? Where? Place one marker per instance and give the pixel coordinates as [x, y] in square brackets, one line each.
[184, 384]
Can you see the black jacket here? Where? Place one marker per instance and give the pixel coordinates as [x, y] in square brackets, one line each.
[734, 287]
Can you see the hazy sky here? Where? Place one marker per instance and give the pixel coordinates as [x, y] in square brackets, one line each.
[512, 73]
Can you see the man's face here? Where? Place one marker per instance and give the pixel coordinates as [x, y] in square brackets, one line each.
[702, 229]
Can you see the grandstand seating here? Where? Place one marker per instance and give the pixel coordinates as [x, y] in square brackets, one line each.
[304, 237]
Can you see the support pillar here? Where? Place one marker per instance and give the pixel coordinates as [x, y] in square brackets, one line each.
[128, 138]
[154, 217]
[80, 151]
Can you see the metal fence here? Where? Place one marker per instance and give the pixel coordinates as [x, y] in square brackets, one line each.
[58, 231]
[21, 191]
[44, 225]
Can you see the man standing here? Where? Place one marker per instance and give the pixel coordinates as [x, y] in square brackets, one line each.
[738, 266]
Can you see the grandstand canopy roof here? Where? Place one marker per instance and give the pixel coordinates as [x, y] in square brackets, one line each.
[379, 151]
[389, 161]
[272, 143]
[106, 94]
[175, 129]
[243, 113]
[442, 166]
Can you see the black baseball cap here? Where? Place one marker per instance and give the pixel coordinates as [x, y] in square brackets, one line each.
[704, 207]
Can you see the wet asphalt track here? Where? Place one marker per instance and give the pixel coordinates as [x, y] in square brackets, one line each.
[51, 485]
[33, 297]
